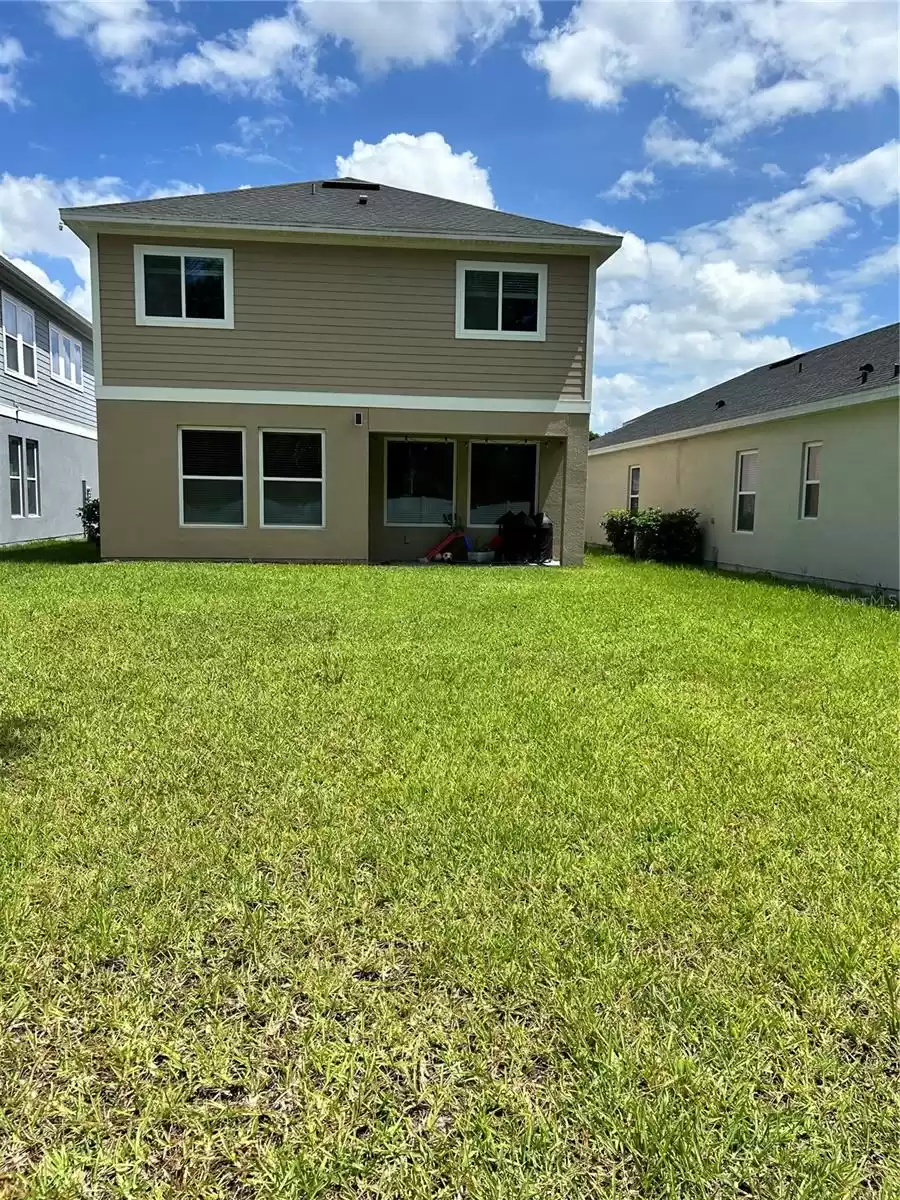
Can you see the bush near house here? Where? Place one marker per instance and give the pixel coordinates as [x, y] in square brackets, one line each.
[379, 882]
[673, 537]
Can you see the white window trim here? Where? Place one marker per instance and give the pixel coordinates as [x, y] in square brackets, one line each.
[631, 495]
[501, 335]
[140, 316]
[243, 477]
[415, 525]
[741, 454]
[804, 515]
[264, 479]
[20, 515]
[36, 477]
[60, 377]
[4, 296]
[470, 524]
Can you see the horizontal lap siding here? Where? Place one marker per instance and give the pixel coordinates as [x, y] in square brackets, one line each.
[344, 319]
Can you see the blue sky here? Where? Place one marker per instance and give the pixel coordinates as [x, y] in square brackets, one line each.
[748, 152]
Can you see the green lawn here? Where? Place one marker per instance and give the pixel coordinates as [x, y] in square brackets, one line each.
[366, 882]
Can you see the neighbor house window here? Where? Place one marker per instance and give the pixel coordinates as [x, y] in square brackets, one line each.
[811, 452]
[24, 478]
[65, 358]
[746, 481]
[19, 347]
[178, 286]
[32, 479]
[292, 478]
[16, 478]
[502, 478]
[634, 488]
[419, 482]
[212, 476]
[501, 301]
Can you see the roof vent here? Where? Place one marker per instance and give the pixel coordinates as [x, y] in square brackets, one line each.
[351, 185]
[783, 362]
[800, 367]
[896, 370]
[362, 199]
[865, 371]
[720, 404]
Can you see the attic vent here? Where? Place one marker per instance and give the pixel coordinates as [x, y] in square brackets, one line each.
[783, 362]
[865, 371]
[720, 404]
[351, 185]
[363, 199]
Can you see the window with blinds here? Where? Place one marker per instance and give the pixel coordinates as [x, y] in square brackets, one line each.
[746, 484]
[212, 476]
[501, 300]
[292, 479]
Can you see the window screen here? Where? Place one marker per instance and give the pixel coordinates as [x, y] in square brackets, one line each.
[419, 483]
[811, 479]
[212, 476]
[503, 479]
[293, 484]
[520, 302]
[501, 301]
[745, 500]
[16, 478]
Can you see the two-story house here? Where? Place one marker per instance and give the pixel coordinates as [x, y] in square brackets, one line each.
[330, 370]
[48, 429]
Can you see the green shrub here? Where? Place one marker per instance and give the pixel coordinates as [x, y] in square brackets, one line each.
[89, 516]
[678, 537]
[618, 525]
[673, 537]
[647, 522]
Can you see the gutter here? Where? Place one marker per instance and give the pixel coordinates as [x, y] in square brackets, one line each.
[889, 392]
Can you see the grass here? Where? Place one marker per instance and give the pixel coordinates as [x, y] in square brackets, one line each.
[348, 882]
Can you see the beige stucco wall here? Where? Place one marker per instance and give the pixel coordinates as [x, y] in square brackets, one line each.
[855, 538]
[351, 319]
[139, 482]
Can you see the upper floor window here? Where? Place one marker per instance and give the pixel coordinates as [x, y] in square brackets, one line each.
[634, 489]
[810, 500]
[65, 358]
[502, 301]
[177, 285]
[19, 348]
[746, 483]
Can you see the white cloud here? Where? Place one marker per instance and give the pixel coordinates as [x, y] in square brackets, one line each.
[254, 139]
[383, 33]
[848, 318]
[11, 54]
[739, 65]
[632, 185]
[773, 171]
[623, 396]
[874, 179]
[260, 60]
[420, 163]
[114, 29]
[663, 142]
[29, 225]
[883, 264]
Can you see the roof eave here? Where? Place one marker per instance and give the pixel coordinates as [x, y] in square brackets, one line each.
[846, 400]
[83, 223]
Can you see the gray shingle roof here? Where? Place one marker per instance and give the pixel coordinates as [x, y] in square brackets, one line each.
[826, 372]
[311, 206]
[17, 281]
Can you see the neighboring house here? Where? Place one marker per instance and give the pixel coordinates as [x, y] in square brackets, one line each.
[326, 370]
[793, 466]
[47, 417]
